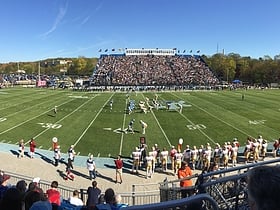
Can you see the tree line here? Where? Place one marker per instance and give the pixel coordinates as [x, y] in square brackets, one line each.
[226, 67]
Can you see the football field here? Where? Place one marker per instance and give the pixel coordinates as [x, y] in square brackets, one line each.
[86, 120]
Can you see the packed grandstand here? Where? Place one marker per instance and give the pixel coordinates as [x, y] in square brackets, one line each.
[153, 67]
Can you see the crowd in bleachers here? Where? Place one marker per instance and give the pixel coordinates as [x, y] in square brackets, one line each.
[23, 196]
[153, 70]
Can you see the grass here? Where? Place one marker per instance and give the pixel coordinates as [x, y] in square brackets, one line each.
[85, 119]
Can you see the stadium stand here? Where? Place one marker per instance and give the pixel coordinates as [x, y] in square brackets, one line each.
[152, 68]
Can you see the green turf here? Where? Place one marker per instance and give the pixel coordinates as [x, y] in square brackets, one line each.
[85, 118]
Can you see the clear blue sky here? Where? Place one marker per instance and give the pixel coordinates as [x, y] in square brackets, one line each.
[32, 30]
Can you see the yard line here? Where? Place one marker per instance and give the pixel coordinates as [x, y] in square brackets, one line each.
[65, 116]
[124, 118]
[78, 140]
[241, 131]
[167, 139]
[23, 110]
[30, 119]
[204, 134]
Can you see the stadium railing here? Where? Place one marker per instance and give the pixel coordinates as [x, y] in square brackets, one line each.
[229, 190]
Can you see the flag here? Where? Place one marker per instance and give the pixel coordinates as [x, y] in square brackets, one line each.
[106, 50]
[174, 48]
[113, 49]
[100, 50]
[190, 51]
[184, 51]
[198, 51]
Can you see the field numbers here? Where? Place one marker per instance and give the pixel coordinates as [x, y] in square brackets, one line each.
[50, 125]
[197, 126]
[2, 119]
[256, 122]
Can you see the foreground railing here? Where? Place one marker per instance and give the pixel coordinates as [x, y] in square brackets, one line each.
[229, 190]
[201, 201]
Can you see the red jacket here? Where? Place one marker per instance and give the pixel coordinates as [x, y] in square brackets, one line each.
[53, 196]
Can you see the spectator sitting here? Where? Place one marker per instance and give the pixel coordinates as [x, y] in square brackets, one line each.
[118, 200]
[75, 200]
[3, 183]
[32, 197]
[11, 200]
[53, 194]
[259, 179]
[109, 201]
[42, 205]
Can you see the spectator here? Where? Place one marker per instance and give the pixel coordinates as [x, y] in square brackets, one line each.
[118, 200]
[110, 202]
[22, 187]
[183, 173]
[11, 200]
[53, 194]
[93, 196]
[259, 179]
[42, 205]
[33, 196]
[75, 200]
[3, 184]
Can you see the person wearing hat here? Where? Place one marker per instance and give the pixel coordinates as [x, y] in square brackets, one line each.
[3, 184]
[91, 167]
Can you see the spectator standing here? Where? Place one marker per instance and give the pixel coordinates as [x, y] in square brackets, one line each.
[32, 146]
[184, 172]
[93, 196]
[75, 200]
[91, 167]
[53, 194]
[119, 166]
